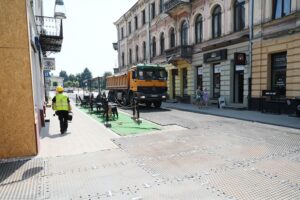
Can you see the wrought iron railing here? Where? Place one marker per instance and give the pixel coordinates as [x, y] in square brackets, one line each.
[49, 26]
[185, 51]
[173, 3]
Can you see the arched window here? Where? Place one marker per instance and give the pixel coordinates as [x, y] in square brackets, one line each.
[281, 8]
[184, 33]
[198, 29]
[123, 59]
[144, 50]
[239, 15]
[130, 56]
[153, 47]
[216, 22]
[137, 53]
[172, 38]
[162, 43]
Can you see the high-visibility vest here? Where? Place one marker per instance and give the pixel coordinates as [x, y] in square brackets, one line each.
[61, 102]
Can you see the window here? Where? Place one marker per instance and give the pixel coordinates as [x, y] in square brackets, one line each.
[199, 77]
[144, 51]
[216, 22]
[281, 8]
[239, 15]
[122, 33]
[162, 43]
[152, 10]
[161, 6]
[216, 80]
[198, 29]
[137, 53]
[123, 59]
[172, 38]
[136, 22]
[144, 17]
[130, 56]
[153, 47]
[184, 81]
[129, 27]
[184, 33]
[278, 73]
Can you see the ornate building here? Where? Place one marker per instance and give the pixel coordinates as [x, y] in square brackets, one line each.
[207, 44]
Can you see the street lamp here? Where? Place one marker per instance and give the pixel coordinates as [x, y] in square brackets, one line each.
[59, 10]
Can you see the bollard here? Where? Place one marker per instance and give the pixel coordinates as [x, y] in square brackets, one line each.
[138, 120]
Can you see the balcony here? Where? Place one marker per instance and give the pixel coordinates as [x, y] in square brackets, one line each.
[51, 34]
[179, 53]
[174, 6]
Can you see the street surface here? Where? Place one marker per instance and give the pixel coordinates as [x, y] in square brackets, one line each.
[200, 157]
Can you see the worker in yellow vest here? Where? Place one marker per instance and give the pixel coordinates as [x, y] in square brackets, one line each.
[62, 107]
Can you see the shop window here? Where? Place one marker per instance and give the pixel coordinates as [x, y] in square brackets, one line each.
[278, 73]
[216, 22]
[216, 80]
[184, 33]
[239, 15]
[200, 77]
[184, 81]
[281, 8]
[172, 38]
[161, 6]
[198, 29]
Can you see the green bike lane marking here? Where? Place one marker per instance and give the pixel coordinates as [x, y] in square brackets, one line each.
[123, 125]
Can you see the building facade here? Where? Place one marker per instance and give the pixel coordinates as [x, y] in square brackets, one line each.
[22, 48]
[209, 44]
[276, 56]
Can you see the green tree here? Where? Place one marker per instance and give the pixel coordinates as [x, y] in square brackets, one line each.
[64, 75]
[68, 84]
[105, 74]
[78, 78]
[86, 74]
[72, 78]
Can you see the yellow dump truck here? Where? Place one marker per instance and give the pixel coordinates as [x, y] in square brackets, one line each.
[145, 82]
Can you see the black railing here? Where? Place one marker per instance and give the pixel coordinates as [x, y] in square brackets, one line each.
[51, 33]
[185, 52]
[174, 3]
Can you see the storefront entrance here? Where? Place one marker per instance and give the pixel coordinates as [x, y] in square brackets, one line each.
[238, 85]
[199, 77]
[174, 74]
[216, 80]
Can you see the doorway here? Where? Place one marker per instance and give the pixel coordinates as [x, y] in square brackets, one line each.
[174, 74]
[216, 80]
[239, 86]
[184, 81]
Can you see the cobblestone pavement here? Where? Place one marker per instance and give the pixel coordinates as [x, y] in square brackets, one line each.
[213, 158]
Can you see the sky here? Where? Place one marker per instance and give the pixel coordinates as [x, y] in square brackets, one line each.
[88, 35]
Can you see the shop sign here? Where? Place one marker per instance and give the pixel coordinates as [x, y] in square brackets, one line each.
[200, 70]
[215, 56]
[49, 63]
[47, 74]
[269, 93]
[239, 68]
[240, 59]
[217, 69]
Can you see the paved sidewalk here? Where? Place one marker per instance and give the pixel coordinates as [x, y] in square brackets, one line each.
[254, 116]
[84, 135]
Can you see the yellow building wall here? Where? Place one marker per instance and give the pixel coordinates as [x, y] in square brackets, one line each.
[261, 66]
[17, 123]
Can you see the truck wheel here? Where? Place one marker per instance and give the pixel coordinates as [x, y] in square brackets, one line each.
[148, 104]
[157, 104]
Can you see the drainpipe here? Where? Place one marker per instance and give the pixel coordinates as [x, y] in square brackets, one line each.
[148, 32]
[250, 53]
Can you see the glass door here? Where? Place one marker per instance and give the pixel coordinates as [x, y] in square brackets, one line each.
[216, 80]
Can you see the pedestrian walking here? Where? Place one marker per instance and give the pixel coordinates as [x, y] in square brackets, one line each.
[62, 107]
[199, 97]
[205, 97]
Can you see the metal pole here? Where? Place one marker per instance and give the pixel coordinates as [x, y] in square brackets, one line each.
[250, 53]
